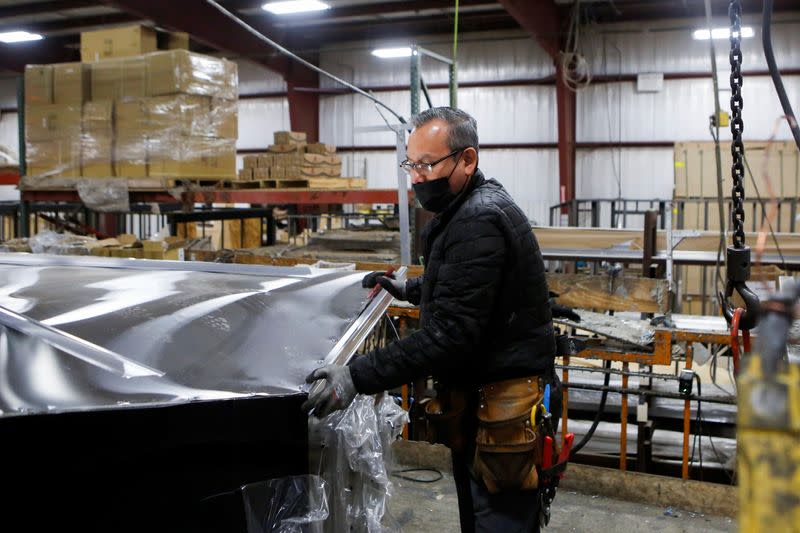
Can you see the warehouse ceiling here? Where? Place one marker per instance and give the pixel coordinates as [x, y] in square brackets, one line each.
[61, 21]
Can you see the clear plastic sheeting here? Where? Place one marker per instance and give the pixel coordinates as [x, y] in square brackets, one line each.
[51, 242]
[356, 451]
[105, 196]
[294, 504]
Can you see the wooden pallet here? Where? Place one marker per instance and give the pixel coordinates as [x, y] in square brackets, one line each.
[308, 183]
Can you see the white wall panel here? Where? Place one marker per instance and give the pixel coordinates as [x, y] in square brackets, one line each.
[253, 78]
[9, 133]
[498, 59]
[676, 51]
[645, 173]
[504, 115]
[259, 118]
[610, 112]
[530, 176]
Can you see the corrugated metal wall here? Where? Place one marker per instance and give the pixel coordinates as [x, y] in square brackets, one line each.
[607, 112]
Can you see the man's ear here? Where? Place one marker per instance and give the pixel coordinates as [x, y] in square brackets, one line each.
[470, 159]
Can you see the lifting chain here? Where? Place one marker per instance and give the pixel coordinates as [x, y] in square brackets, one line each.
[738, 255]
[737, 125]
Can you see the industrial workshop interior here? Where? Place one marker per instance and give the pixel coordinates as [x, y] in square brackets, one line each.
[379, 266]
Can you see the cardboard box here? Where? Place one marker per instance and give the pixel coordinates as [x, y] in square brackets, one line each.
[184, 72]
[130, 154]
[180, 114]
[117, 79]
[71, 83]
[224, 119]
[38, 84]
[131, 118]
[290, 137]
[98, 116]
[177, 40]
[261, 173]
[245, 174]
[265, 160]
[250, 161]
[96, 154]
[52, 121]
[55, 158]
[195, 157]
[117, 42]
[320, 148]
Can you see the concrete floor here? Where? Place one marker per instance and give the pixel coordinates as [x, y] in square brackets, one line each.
[423, 507]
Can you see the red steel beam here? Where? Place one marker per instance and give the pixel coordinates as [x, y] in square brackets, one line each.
[541, 19]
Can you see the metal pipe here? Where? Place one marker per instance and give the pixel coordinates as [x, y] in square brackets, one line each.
[565, 394]
[725, 400]
[668, 377]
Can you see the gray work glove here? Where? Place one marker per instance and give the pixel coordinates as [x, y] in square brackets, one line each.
[337, 393]
[392, 286]
[562, 311]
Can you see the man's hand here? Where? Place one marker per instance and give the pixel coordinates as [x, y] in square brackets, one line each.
[392, 286]
[562, 311]
[337, 393]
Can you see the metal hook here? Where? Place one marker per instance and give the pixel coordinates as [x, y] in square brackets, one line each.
[752, 306]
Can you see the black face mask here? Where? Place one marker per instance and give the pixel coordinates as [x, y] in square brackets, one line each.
[435, 195]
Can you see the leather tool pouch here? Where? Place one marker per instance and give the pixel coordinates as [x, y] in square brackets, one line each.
[508, 447]
[445, 415]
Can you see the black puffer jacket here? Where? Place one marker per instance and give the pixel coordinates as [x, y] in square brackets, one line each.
[484, 312]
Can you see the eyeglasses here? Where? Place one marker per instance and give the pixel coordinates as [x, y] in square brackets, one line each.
[425, 169]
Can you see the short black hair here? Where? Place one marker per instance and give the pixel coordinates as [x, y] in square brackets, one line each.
[463, 129]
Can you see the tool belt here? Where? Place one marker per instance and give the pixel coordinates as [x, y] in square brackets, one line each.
[508, 442]
[445, 415]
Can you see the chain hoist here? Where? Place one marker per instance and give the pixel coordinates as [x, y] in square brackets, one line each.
[738, 254]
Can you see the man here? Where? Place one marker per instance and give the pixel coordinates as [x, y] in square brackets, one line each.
[485, 317]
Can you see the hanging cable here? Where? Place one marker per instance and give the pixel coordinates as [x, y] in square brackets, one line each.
[575, 69]
[295, 57]
[766, 39]
[600, 410]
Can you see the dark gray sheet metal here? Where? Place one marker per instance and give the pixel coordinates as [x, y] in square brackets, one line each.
[88, 333]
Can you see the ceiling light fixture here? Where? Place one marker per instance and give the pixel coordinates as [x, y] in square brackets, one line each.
[721, 33]
[19, 37]
[389, 53]
[290, 7]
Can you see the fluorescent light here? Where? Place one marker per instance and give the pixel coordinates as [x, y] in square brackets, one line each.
[294, 6]
[388, 53]
[721, 33]
[19, 37]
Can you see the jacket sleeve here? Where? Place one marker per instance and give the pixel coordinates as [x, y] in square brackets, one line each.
[414, 290]
[467, 285]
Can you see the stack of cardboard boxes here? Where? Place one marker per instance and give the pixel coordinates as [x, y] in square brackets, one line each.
[166, 114]
[292, 162]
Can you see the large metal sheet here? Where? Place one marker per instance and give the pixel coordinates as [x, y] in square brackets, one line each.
[187, 335]
[139, 395]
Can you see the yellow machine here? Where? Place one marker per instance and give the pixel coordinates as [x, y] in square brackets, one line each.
[769, 427]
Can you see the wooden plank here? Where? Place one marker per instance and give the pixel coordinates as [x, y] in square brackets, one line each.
[624, 293]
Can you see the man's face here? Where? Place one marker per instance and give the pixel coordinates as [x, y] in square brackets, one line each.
[427, 144]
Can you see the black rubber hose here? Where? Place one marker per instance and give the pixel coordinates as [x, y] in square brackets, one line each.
[766, 38]
[601, 409]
